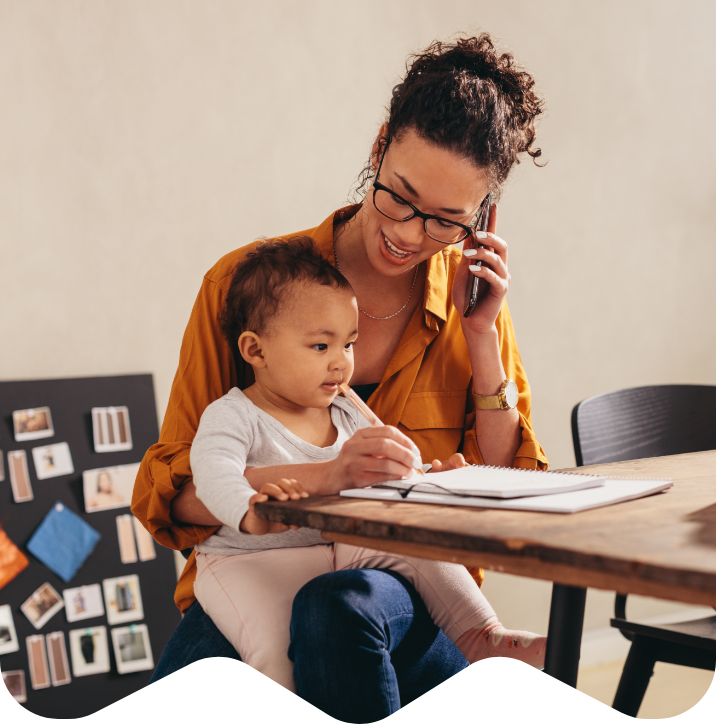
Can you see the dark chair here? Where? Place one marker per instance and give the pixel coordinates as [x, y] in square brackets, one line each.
[644, 422]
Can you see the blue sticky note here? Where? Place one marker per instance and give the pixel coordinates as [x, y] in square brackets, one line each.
[63, 541]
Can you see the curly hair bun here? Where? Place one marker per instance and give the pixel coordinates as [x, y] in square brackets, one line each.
[465, 96]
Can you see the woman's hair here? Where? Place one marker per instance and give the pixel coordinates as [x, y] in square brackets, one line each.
[465, 97]
[263, 278]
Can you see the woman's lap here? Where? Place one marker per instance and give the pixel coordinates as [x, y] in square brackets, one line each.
[334, 617]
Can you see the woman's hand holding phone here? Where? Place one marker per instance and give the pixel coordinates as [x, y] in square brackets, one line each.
[493, 274]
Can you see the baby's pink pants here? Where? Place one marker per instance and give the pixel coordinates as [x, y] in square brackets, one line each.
[249, 596]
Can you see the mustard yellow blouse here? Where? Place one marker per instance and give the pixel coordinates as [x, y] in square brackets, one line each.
[425, 391]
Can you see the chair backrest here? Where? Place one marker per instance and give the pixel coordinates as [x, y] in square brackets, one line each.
[643, 422]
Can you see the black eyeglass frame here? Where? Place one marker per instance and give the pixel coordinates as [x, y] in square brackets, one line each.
[469, 230]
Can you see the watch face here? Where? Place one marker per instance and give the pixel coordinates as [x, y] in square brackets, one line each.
[512, 394]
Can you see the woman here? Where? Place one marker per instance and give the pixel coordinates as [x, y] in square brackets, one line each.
[106, 496]
[361, 644]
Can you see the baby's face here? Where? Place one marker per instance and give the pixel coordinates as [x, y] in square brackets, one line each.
[309, 348]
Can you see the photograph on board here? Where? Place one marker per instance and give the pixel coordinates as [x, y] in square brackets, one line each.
[89, 651]
[107, 488]
[32, 424]
[51, 461]
[15, 683]
[132, 650]
[8, 636]
[57, 655]
[83, 602]
[42, 605]
[110, 429]
[19, 476]
[123, 599]
[37, 659]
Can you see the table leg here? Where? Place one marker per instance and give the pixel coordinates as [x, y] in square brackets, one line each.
[564, 639]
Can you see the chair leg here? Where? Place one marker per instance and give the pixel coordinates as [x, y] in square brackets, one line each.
[635, 677]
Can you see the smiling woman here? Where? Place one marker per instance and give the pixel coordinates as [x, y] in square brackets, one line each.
[361, 640]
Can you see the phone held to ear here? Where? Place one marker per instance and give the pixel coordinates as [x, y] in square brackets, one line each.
[471, 290]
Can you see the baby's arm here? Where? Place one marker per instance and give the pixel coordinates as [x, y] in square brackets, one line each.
[218, 461]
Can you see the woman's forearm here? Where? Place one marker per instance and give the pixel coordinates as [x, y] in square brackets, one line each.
[313, 477]
[187, 508]
[498, 431]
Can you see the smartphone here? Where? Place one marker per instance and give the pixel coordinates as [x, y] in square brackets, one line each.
[471, 290]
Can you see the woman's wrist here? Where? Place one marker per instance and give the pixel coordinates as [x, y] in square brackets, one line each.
[488, 373]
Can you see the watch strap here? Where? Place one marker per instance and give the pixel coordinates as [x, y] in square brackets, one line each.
[500, 401]
[488, 402]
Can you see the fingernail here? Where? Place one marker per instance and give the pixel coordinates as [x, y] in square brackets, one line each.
[481, 235]
[469, 252]
[475, 267]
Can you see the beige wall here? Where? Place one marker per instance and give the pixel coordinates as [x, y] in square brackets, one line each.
[141, 140]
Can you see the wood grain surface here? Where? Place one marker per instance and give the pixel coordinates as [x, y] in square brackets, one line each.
[662, 546]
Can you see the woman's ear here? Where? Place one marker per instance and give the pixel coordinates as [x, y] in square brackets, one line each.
[378, 146]
[251, 349]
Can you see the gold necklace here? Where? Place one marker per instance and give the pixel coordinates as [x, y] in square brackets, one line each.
[390, 316]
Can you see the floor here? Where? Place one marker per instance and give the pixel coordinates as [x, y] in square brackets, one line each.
[672, 690]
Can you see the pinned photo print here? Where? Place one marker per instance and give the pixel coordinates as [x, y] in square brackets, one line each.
[132, 650]
[89, 651]
[37, 658]
[51, 461]
[19, 476]
[57, 654]
[44, 603]
[83, 602]
[145, 542]
[32, 424]
[15, 683]
[125, 534]
[8, 636]
[110, 427]
[107, 488]
[123, 600]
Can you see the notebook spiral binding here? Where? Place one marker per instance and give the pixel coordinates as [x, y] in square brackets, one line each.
[559, 472]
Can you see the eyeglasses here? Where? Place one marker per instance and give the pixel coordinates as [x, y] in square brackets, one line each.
[397, 208]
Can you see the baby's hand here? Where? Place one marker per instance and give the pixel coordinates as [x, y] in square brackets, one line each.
[281, 490]
[454, 461]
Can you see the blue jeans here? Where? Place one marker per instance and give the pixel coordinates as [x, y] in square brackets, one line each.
[362, 643]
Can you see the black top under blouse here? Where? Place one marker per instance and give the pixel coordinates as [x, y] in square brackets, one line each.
[365, 391]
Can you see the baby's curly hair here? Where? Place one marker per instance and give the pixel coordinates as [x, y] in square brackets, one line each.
[262, 279]
[466, 97]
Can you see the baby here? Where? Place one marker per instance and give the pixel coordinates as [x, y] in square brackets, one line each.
[294, 318]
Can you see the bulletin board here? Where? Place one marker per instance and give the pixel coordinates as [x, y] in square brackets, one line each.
[70, 402]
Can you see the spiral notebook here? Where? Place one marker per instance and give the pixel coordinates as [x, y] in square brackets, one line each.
[488, 481]
[607, 492]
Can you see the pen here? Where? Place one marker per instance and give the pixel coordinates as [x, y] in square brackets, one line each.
[472, 280]
[374, 421]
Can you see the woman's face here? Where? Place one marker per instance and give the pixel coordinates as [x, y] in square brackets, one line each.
[435, 181]
[104, 483]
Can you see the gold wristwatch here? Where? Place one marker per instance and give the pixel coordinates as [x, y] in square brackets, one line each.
[505, 399]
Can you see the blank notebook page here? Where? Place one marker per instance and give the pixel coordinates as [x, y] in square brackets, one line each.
[493, 482]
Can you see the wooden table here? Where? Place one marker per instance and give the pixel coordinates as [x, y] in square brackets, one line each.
[662, 546]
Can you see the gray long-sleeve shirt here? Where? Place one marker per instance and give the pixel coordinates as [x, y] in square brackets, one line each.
[234, 434]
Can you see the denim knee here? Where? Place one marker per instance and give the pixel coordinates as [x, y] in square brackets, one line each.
[354, 606]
